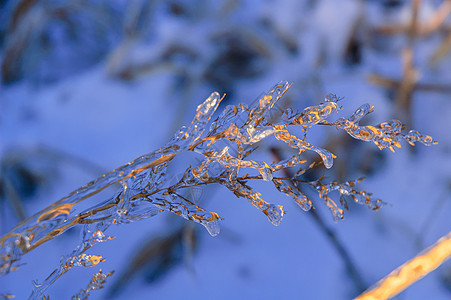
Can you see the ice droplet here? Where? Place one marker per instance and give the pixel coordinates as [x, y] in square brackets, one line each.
[326, 156]
[275, 214]
[331, 98]
[303, 202]
[360, 113]
[266, 173]
[212, 227]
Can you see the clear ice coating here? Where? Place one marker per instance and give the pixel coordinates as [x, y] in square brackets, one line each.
[275, 214]
[345, 190]
[97, 282]
[212, 227]
[146, 189]
[360, 113]
[293, 192]
[282, 134]
[385, 135]
[313, 115]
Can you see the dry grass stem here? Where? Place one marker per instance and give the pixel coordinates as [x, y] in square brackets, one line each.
[410, 272]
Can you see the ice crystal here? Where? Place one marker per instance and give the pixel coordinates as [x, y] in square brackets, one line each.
[97, 282]
[385, 135]
[223, 145]
[346, 190]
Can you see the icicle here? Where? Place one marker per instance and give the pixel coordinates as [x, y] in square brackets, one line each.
[300, 199]
[274, 214]
[314, 114]
[212, 227]
[326, 156]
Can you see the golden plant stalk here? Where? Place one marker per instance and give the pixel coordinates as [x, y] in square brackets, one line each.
[397, 281]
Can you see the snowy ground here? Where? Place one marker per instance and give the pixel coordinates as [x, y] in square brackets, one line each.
[71, 129]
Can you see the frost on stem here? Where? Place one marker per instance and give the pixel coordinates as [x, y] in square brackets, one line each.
[346, 190]
[223, 145]
[385, 135]
[97, 282]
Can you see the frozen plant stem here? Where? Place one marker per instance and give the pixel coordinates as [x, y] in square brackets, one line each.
[223, 147]
[97, 282]
[331, 236]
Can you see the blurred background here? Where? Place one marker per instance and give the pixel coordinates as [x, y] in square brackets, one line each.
[87, 86]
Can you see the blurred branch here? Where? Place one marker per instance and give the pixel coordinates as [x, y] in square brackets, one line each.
[14, 198]
[442, 51]
[410, 72]
[414, 30]
[395, 84]
[435, 23]
[437, 19]
[411, 271]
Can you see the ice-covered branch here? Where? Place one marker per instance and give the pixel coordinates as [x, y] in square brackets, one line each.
[145, 189]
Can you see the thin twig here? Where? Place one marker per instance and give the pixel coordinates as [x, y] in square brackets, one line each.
[330, 234]
[390, 83]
